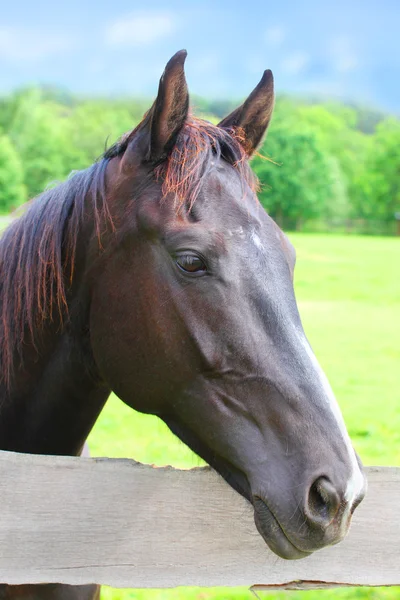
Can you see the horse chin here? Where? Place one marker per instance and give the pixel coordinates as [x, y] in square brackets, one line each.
[273, 534]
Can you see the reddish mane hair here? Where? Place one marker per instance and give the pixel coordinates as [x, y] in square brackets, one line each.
[198, 145]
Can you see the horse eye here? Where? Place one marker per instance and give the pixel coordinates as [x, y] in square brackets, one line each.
[191, 263]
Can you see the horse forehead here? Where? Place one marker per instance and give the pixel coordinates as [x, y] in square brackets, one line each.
[223, 181]
[243, 215]
[227, 197]
[228, 204]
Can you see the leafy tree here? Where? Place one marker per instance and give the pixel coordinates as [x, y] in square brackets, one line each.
[54, 139]
[12, 190]
[379, 196]
[300, 184]
[91, 127]
[38, 133]
[335, 128]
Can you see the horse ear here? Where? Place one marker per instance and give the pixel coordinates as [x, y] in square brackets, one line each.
[254, 115]
[169, 112]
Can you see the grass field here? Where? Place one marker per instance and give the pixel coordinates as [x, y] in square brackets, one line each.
[348, 290]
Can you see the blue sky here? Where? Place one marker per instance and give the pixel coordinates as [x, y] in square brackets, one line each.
[342, 49]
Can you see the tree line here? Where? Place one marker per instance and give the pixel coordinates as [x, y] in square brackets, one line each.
[322, 165]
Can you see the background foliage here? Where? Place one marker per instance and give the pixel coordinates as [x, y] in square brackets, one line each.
[333, 166]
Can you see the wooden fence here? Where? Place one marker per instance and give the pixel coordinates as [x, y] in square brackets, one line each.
[116, 522]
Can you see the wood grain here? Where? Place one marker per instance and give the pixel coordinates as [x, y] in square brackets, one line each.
[116, 522]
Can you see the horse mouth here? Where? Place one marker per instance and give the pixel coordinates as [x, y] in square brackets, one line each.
[267, 524]
[273, 534]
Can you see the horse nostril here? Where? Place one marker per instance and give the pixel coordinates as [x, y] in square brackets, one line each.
[323, 502]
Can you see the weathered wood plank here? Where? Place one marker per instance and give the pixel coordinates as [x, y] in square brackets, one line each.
[123, 524]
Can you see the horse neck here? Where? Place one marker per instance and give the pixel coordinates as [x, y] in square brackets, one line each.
[55, 400]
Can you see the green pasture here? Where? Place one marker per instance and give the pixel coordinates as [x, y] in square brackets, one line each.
[348, 290]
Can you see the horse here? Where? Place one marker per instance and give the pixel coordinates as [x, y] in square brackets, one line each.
[157, 274]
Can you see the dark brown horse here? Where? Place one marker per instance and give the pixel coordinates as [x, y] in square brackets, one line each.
[156, 274]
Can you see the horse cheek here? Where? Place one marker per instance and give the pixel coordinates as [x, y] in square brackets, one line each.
[138, 346]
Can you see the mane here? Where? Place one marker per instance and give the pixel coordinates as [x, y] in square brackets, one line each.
[37, 256]
[37, 251]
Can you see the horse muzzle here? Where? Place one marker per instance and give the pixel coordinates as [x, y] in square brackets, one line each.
[324, 520]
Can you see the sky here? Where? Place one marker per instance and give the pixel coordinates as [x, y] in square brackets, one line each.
[338, 49]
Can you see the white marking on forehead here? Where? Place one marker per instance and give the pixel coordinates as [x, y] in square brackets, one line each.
[239, 232]
[356, 481]
[256, 240]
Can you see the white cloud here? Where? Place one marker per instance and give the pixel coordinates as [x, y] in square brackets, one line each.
[275, 36]
[22, 44]
[294, 63]
[343, 55]
[138, 29]
[344, 64]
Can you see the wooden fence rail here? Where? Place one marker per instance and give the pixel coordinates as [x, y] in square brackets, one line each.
[116, 522]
